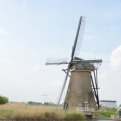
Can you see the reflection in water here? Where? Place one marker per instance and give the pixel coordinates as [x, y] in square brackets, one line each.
[101, 120]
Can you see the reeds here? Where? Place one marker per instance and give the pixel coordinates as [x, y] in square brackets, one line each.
[28, 112]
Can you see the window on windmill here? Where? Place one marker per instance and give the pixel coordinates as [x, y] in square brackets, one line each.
[79, 92]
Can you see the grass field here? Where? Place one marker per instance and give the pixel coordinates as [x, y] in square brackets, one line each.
[28, 112]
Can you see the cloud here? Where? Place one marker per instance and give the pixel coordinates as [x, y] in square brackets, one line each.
[3, 31]
[48, 50]
[109, 79]
[56, 84]
[7, 69]
[35, 69]
[115, 59]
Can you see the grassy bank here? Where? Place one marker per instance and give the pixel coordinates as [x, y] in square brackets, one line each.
[107, 114]
[27, 112]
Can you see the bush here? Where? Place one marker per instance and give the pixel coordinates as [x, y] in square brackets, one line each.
[3, 100]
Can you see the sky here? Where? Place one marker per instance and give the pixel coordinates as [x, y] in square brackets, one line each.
[33, 30]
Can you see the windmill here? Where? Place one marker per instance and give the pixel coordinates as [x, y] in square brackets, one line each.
[82, 90]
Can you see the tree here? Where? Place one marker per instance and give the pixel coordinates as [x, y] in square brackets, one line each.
[3, 100]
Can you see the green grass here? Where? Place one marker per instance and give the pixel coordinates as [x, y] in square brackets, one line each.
[107, 114]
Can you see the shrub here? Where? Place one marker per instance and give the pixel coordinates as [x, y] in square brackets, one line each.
[3, 100]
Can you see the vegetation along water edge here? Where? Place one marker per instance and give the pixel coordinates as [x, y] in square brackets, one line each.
[28, 112]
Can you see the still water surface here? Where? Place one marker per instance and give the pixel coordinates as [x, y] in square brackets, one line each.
[103, 120]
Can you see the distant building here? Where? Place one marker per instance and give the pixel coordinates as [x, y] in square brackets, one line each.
[108, 103]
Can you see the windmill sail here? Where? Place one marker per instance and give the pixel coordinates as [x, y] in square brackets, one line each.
[63, 87]
[72, 54]
[56, 61]
[78, 38]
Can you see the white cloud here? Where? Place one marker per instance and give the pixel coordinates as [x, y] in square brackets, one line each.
[48, 50]
[115, 59]
[3, 31]
[7, 69]
[35, 69]
[56, 84]
[109, 80]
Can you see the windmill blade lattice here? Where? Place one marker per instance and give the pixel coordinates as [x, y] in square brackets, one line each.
[78, 40]
[72, 55]
[80, 37]
[56, 61]
[63, 87]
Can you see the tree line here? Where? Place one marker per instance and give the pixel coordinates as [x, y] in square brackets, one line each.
[34, 103]
[39, 103]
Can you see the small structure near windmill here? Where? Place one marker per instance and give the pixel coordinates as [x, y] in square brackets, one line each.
[82, 92]
[108, 103]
